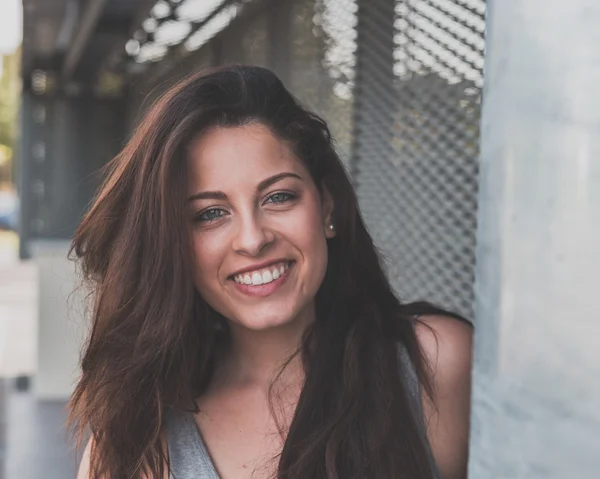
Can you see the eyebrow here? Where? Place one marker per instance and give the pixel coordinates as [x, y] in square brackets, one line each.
[219, 195]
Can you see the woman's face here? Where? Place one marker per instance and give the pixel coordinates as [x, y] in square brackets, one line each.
[259, 227]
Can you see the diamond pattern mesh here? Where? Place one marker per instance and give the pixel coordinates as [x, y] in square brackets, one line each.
[416, 161]
[399, 82]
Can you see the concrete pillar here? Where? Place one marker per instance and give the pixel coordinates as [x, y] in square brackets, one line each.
[536, 397]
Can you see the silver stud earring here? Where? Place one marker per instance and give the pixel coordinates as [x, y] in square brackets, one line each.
[331, 227]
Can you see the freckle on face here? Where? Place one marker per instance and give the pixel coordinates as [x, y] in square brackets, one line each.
[252, 229]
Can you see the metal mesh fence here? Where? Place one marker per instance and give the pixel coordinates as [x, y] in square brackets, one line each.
[399, 82]
[416, 157]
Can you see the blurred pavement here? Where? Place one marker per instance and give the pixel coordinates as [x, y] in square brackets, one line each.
[34, 442]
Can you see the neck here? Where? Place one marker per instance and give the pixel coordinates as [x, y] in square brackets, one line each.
[256, 357]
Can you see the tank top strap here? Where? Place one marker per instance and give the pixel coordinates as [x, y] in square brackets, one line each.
[188, 455]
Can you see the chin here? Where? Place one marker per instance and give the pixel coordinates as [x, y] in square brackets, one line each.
[266, 318]
[264, 323]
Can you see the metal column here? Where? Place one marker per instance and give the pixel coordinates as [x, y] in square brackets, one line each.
[64, 142]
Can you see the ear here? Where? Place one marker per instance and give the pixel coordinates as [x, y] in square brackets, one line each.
[327, 209]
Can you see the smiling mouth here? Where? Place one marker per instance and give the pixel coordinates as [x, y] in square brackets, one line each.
[264, 275]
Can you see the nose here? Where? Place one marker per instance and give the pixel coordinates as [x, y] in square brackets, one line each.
[252, 236]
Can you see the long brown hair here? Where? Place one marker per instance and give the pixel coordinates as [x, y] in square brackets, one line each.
[152, 342]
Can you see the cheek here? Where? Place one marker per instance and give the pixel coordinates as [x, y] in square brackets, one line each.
[311, 240]
[206, 262]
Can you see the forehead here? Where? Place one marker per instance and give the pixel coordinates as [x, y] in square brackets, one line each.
[239, 155]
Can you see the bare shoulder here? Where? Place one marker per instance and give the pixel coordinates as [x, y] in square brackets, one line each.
[447, 346]
[84, 464]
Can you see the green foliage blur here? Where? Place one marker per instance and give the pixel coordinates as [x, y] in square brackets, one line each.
[10, 89]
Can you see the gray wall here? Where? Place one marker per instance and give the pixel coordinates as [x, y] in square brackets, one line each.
[536, 400]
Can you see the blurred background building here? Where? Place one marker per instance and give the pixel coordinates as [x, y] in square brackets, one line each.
[400, 84]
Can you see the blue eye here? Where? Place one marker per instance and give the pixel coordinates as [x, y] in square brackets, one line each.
[280, 197]
[210, 215]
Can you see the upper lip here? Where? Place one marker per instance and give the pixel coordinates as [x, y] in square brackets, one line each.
[257, 266]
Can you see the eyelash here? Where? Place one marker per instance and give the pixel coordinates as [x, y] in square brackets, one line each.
[289, 197]
[200, 216]
[201, 219]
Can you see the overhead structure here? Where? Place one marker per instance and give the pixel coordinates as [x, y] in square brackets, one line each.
[100, 46]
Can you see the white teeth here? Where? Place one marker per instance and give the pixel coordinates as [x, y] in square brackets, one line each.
[262, 277]
[267, 277]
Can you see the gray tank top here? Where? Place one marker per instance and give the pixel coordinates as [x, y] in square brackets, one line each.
[189, 456]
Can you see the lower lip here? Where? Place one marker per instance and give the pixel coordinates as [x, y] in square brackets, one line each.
[264, 289]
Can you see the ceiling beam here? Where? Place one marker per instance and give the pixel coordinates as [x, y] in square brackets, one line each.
[142, 12]
[85, 30]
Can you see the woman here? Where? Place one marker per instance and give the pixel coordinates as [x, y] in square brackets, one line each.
[243, 325]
